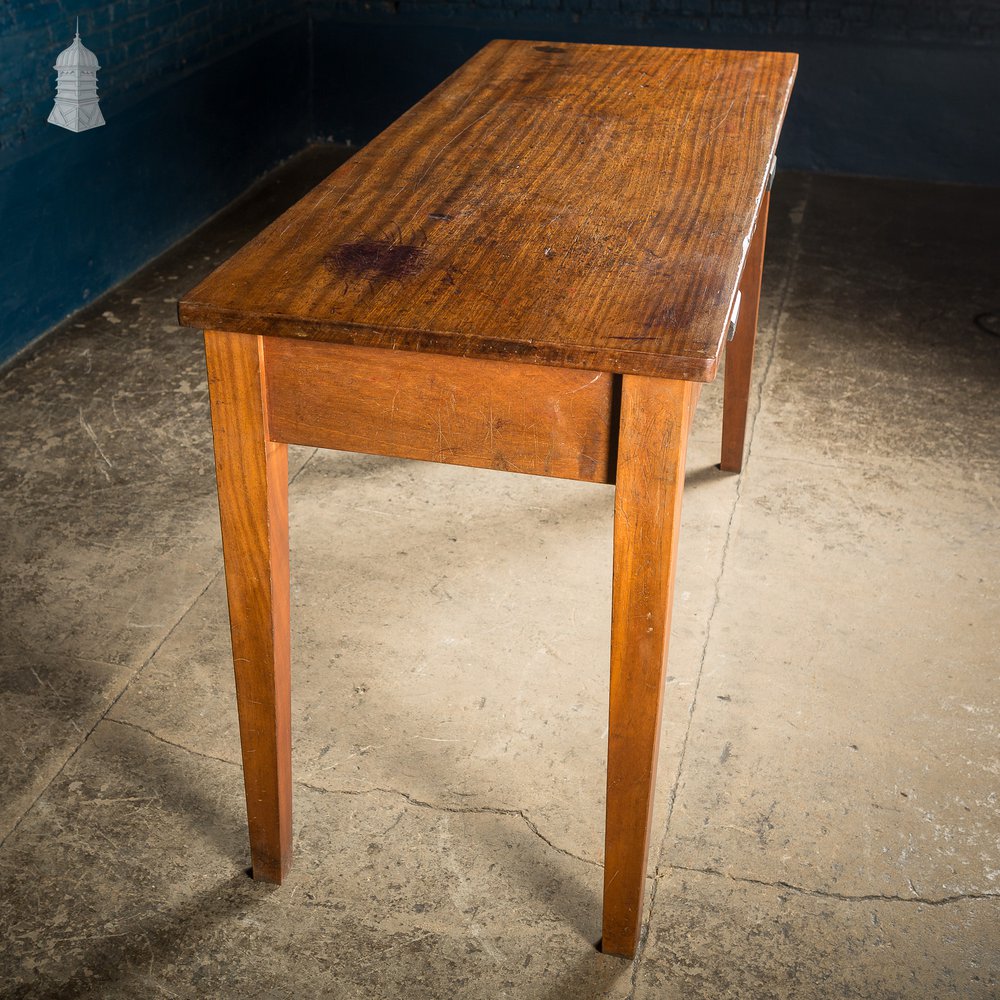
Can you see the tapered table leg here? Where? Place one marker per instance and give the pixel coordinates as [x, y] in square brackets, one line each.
[252, 474]
[655, 415]
[739, 351]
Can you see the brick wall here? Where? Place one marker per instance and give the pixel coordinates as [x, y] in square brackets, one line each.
[888, 88]
[142, 42]
[920, 21]
[200, 97]
[138, 43]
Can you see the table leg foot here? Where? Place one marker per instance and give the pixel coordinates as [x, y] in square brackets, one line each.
[252, 475]
[739, 351]
[655, 416]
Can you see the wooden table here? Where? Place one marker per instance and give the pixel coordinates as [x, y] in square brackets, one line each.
[533, 270]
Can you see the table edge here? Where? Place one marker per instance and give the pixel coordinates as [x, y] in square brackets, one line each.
[623, 362]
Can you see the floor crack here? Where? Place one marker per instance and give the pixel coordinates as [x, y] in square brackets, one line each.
[789, 274]
[412, 799]
[786, 287]
[104, 715]
[873, 897]
[171, 743]
[782, 299]
[440, 807]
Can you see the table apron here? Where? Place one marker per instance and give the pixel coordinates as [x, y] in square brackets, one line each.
[534, 419]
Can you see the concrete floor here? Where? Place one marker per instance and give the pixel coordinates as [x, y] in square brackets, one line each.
[827, 820]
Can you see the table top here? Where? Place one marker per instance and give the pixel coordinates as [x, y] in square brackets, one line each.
[586, 206]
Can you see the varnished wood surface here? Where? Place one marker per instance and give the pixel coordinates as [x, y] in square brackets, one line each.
[461, 411]
[655, 421]
[739, 352]
[252, 476]
[581, 206]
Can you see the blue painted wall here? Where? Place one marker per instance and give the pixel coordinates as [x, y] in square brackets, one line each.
[888, 88]
[200, 98]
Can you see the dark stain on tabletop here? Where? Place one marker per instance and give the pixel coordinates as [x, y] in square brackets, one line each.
[374, 259]
[548, 48]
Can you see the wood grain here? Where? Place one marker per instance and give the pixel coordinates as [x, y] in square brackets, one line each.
[252, 475]
[461, 411]
[655, 420]
[581, 206]
[739, 351]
